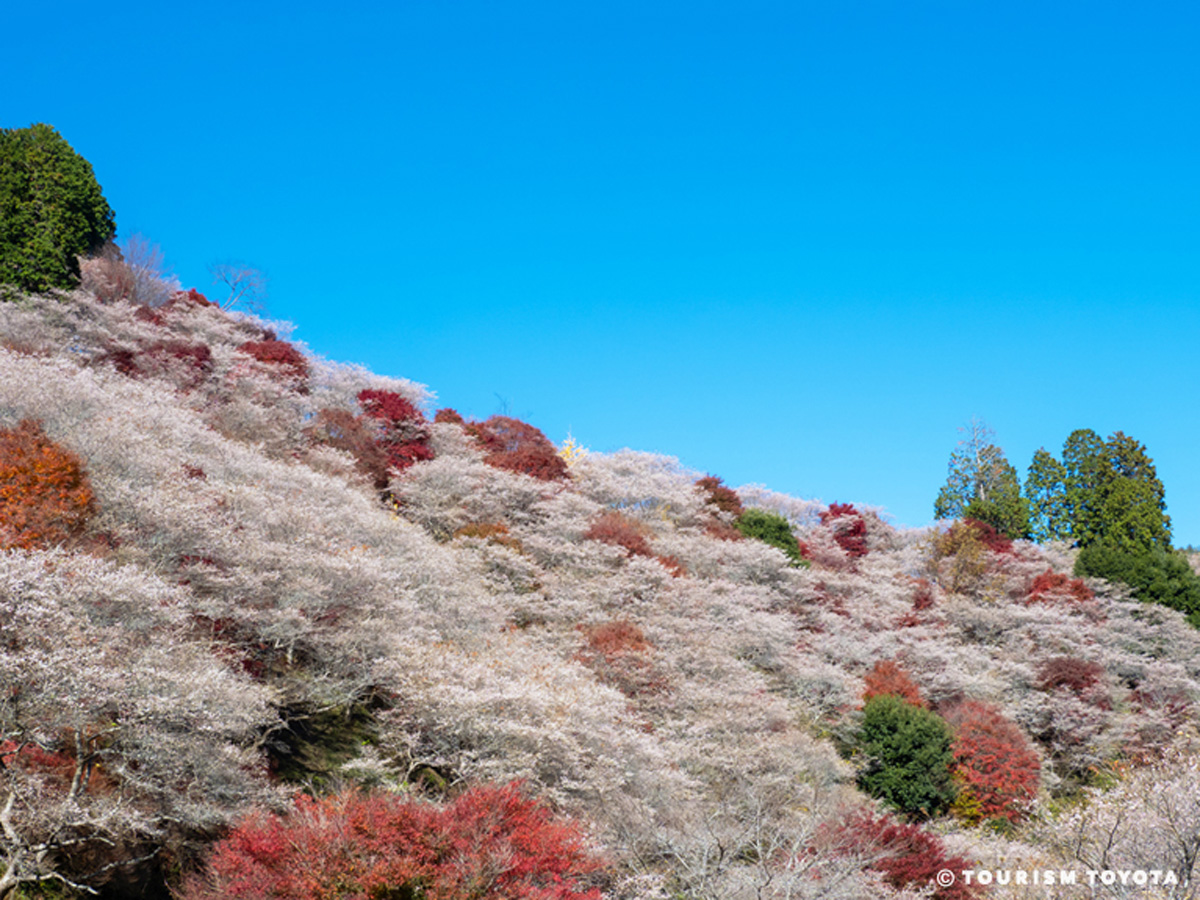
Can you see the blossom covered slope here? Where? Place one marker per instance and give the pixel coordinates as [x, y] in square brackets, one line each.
[288, 578]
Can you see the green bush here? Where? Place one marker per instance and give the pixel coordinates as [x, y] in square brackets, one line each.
[909, 756]
[771, 529]
[1156, 576]
[51, 210]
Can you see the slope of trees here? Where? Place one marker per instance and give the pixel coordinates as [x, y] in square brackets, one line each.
[270, 600]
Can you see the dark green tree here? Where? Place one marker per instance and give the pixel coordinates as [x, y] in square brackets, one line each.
[51, 210]
[1083, 460]
[908, 756]
[1045, 489]
[1155, 575]
[1102, 492]
[771, 529]
[983, 485]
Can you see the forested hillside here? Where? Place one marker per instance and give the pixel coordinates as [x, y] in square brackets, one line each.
[236, 575]
[274, 626]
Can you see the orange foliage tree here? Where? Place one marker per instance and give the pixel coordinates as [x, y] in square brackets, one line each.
[45, 497]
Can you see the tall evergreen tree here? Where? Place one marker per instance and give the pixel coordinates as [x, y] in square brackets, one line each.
[983, 485]
[51, 210]
[1045, 489]
[1102, 492]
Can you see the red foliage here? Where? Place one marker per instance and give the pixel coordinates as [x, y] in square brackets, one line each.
[518, 447]
[191, 295]
[614, 528]
[1051, 586]
[886, 677]
[906, 855]
[618, 653]
[837, 511]
[722, 532]
[994, 761]
[990, 537]
[146, 314]
[45, 497]
[402, 432]
[490, 842]
[723, 498]
[1065, 671]
[160, 356]
[344, 431]
[673, 565]
[283, 356]
[849, 528]
[922, 595]
[448, 415]
[619, 636]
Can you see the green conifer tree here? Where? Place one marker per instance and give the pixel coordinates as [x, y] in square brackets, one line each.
[51, 210]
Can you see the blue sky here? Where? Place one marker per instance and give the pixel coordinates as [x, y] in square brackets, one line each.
[797, 244]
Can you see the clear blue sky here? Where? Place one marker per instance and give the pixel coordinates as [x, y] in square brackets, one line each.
[791, 243]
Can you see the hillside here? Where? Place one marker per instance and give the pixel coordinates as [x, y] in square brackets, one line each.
[291, 576]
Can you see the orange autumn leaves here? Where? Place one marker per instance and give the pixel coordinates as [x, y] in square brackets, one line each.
[45, 497]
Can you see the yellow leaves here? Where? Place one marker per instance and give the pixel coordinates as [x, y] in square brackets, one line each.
[571, 451]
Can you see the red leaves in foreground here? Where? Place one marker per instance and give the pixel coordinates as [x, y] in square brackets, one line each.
[490, 842]
[45, 496]
[997, 768]
[906, 855]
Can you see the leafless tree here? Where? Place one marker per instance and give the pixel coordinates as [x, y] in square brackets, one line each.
[245, 284]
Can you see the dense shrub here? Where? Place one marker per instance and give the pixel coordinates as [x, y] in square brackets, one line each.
[922, 595]
[960, 557]
[1050, 585]
[489, 842]
[448, 415]
[281, 355]
[908, 755]
[906, 855]
[1077, 675]
[401, 430]
[492, 532]
[190, 296]
[619, 654]
[194, 360]
[848, 526]
[886, 677]
[45, 497]
[342, 430]
[772, 529]
[620, 531]
[718, 495]
[1156, 576]
[993, 762]
[518, 447]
